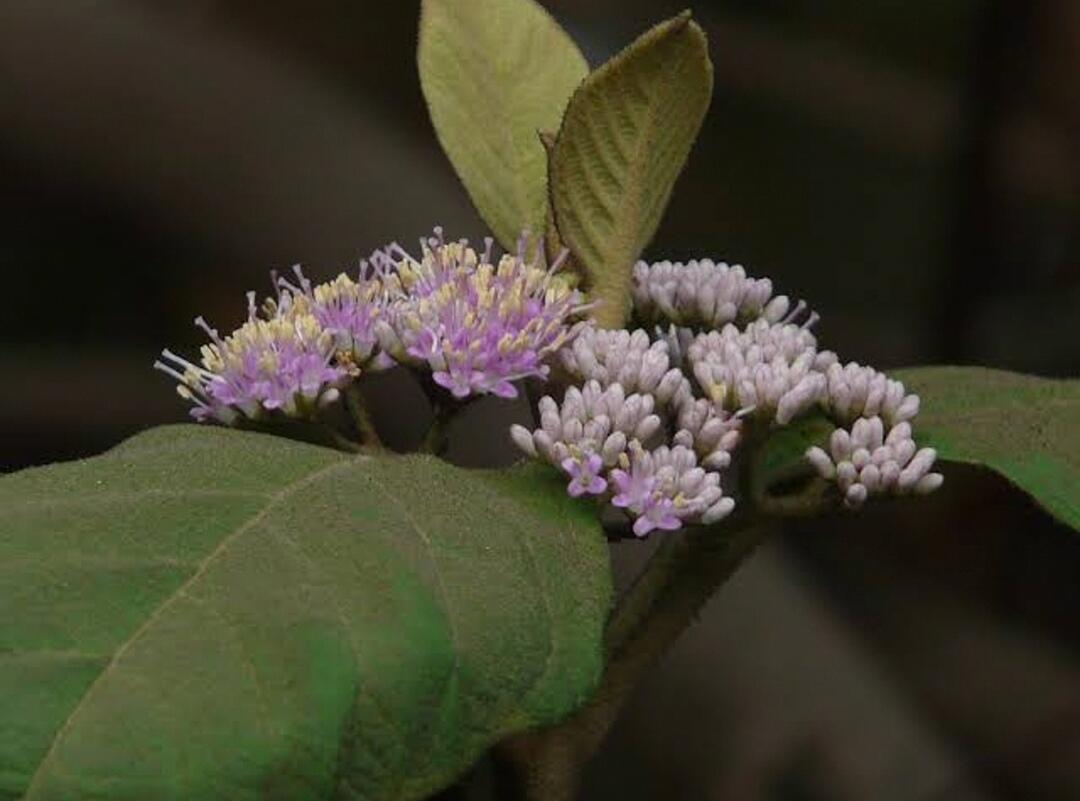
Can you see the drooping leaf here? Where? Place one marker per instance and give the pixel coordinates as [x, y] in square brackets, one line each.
[208, 614]
[494, 72]
[624, 139]
[1024, 427]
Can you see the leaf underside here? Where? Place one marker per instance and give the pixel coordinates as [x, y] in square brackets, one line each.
[1024, 427]
[627, 132]
[208, 614]
[494, 73]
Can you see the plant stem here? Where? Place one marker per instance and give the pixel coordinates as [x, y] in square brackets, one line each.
[361, 417]
[679, 579]
[341, 442]
[437, 438]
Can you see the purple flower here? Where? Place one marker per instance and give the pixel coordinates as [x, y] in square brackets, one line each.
[658, 513]
[638, 494]
[584, 475]
[635, 488]
[283, 364]
[477, 325]
[350, 311]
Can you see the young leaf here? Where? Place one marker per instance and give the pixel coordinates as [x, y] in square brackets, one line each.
[1025, 428]
[494, 72]
[624, 139]
[207, 614]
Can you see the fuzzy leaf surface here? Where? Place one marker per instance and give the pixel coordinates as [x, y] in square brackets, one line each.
[207, 614]
[624, 140]
[1024, 427]
[494, 73]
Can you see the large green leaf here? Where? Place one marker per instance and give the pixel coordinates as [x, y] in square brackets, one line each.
[625, 137]
[1024, 427]
[495, 73]
[208, 614]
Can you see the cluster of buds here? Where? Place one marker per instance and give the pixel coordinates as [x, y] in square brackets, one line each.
[866, 461]
[655, 417]
[772, 370]
[630, 360]
[614, 437]
[703, 294]
[476, 324]
[590, 421]
[855, 391]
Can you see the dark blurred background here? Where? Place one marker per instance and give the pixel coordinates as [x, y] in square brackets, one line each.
[911, 167]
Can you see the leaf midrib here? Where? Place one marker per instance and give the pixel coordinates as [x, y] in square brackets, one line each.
[638, 164]
[275, 499]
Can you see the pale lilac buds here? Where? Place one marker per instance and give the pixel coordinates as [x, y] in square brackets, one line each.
[659, 415]
[703, 294]
[590, 420]
[630, 359]
[868, 461]
[854, 391]
[770, 370]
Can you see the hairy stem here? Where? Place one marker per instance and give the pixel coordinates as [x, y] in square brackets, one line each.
[341, 442]
[437, 438]
[361, 417]
[682, 575]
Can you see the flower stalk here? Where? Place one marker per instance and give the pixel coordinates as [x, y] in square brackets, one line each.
[679, 579]
[362, 419]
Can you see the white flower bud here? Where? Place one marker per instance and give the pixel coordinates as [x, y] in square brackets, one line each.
[545, 446]
[718, 511]
[929, 483]
[821, 462]
[614, 445]
[846, 475]
[855, 496]
[647, 428]
[523, 439]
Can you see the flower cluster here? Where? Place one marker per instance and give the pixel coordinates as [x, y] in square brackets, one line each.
[652, 418]
[284, 363]
[629, 360]
[866, 461]
[772, 370]
[703, 294]
[476, 324]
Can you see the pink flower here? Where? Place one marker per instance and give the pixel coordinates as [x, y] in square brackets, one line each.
[283, 363]
[658, 513]
[635, 489]
[477, 323]
[584, 475]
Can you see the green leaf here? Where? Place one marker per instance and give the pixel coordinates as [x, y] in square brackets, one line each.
[1025, 428]
[625, 137]
[209, 614]
[781, 458]
[494, 73]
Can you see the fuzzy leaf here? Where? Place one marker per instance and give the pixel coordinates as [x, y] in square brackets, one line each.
[494, 72]
[624, 140]
[207, 614]
[1024, 427]
[782, 456]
